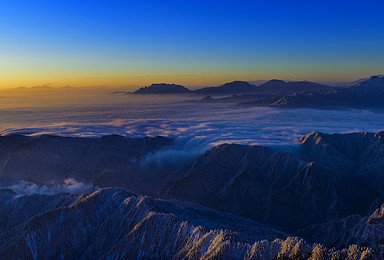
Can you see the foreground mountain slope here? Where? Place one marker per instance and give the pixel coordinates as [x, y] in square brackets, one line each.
[354, 229]
[367, 94]
[114, 223]
[119, 224]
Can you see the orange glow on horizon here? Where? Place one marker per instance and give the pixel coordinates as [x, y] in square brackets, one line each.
[192, 80]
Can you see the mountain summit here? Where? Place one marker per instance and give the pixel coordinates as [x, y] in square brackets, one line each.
[163, 88]
[234, 87]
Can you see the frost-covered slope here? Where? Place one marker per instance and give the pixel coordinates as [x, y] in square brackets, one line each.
[355, 229]
[15, 209]
[117, 224]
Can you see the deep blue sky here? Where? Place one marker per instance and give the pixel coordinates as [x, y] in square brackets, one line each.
[188, 42]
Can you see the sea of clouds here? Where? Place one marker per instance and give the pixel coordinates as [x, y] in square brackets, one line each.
[207, 124]
[194, 126]
[211, 123]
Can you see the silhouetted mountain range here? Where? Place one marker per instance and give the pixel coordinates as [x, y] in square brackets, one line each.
[236, 87]
[367, 94]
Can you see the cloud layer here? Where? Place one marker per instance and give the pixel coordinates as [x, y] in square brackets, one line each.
[70, 185]
[200, 124]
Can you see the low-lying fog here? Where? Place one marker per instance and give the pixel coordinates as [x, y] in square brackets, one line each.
[195, 126]
[97, 112]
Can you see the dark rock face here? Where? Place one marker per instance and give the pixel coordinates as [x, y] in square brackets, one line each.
[330, 177]
[367, 94]
[163, 88]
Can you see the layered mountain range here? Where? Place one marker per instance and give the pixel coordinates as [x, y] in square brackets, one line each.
[328, 189]
[363, 94]
[366, 94]
[235, 87]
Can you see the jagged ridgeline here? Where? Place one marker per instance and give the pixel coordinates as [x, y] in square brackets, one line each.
[233, 201]
[117, 224]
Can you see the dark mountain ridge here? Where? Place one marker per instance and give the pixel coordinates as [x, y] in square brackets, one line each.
[235, 87]
[271, 87]
[329, 177]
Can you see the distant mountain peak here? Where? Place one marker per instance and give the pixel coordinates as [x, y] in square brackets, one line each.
[277, 80]
[374, 78]
[234, 87]
[162, 88]
[238, 83]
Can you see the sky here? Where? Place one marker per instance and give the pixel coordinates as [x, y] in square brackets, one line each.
[194, 43]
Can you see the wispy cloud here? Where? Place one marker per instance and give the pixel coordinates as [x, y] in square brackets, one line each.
[69, 186]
